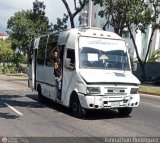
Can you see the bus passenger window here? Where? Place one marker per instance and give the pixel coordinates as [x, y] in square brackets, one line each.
[71, 55]
[49, 54]
[41, 54]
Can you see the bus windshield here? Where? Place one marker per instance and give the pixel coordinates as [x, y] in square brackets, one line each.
[96, 53]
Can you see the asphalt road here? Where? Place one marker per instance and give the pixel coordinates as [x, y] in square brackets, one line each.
[21, 115]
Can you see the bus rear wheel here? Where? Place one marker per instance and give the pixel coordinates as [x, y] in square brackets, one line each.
[125, 111]
[76, 108]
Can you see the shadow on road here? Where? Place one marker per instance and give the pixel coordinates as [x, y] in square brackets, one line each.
[51, 104]
[8, 116]
[104, 114]
[91, 115]
[16, 101]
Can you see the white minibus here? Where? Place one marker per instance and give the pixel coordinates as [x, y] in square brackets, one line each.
[97, 72]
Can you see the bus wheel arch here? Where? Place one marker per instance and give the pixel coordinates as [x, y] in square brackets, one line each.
[75, 106]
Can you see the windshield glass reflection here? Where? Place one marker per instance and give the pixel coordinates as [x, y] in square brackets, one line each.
[99, 59]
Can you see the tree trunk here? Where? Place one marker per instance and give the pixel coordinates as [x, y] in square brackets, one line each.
[149, 45]
[77, 10]
[143, 71]
[72, 22]
[71, 16]
[3, 69]
[116, 30]
[142, 64]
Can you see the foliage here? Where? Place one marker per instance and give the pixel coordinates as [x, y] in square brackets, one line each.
[40, 21]
[12, 69]
[18, 59]
[25, 25]
[20, 30]
[77, 9]
[5, 50]
[8, 69]
[155, 56]
[61, 23]
[133, 15]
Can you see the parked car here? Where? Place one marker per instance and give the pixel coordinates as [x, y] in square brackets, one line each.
[156, 80]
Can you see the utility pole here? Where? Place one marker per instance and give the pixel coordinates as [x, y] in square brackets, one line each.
[86, 15]
[90, 13]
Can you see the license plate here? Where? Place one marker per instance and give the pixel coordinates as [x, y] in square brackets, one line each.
[115, 104]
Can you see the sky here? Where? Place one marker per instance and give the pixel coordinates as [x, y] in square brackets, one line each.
[54, 9]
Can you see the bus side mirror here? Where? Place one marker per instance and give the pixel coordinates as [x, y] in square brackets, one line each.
[134, 66]
[67, 63]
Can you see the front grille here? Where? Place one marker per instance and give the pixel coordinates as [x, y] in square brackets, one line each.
[111, 91]
[112, 94]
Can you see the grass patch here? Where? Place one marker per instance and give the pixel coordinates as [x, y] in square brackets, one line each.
[25, 76]
[18, 74]
[149, 89]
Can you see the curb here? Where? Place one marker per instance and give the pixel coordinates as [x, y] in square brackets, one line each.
[149, 93]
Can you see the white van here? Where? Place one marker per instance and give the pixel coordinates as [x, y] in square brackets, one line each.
[97, 71]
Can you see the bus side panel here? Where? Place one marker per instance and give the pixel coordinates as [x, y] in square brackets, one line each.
[50, 82]
[40, 76]
[45, 78]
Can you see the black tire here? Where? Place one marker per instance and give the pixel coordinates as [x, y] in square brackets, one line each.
[125, 111]
[77, 110]
[40, 96]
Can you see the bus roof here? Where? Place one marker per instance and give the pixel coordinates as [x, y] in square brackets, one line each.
[69, 36]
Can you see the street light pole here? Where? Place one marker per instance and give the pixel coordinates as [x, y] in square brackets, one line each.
[90, 11]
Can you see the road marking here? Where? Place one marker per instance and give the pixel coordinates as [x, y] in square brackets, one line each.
[5, 92]
[14, 109]
[151, 104]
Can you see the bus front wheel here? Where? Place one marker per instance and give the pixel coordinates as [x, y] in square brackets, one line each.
[76, 108]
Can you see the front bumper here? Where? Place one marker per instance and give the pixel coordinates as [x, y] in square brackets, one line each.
[102, 102]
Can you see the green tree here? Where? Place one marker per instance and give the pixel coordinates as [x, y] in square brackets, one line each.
[40, 21]
[155, 56]
[61, 23]
[17, 59]
[6, 52]
[133, 15]
[25, 25]
[78, 8]
[21, 29]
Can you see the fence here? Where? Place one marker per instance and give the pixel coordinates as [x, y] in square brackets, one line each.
[152, 69]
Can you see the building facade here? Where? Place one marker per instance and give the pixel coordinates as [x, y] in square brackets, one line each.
[3, 36]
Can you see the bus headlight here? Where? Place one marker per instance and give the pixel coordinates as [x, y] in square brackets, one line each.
[134, 91]
[93, 90]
